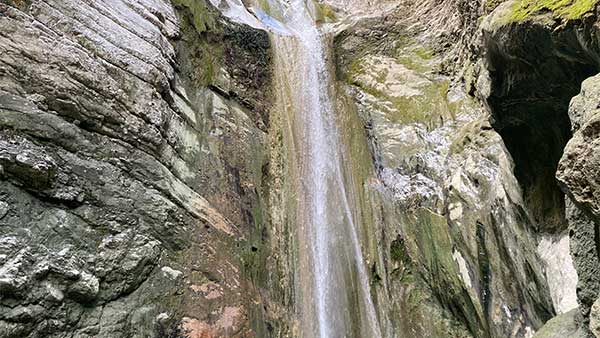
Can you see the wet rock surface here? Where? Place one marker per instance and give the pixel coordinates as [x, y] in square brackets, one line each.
[124, 180]
[461, 228]
[142, 169]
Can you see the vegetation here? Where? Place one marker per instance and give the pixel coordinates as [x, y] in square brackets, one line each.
[564, 9]
[20, 4]
[201, 30]
[430, 107]
[201, 19]
[490, 5]
[325, 13]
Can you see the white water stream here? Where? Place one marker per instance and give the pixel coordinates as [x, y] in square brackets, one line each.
[334, 296]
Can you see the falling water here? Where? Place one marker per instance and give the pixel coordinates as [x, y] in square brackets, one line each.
[333, 287]
[334, 294]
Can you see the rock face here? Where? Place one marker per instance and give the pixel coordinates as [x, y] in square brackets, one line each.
[131, 169]
[564, 325]
[526, 110]
[578, 167]
[461, 228]
[562, 277]
[144, 187]
[577, 174]
[565, 52]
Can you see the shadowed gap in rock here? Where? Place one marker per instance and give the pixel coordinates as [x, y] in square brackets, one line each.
[535, 71]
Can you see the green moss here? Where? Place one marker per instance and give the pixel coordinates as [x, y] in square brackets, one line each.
[358, 169]
[20, 4]
[255, 252]
[430, 107]
[265, 6]
[423, 53]
[398, 251]
[399, 255]
[430, 240]
[414, 63]
[414, 56]
[325, 13]
[201, 18]
[198, 24]
[490, 5]
[564, 9]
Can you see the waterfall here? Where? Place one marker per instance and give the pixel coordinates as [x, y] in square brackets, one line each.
[334, 293]
[333, 296]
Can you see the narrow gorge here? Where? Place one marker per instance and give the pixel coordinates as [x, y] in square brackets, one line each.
[299, 168]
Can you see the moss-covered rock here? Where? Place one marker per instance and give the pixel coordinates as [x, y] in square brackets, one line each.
[133, 176]
[447, 181]
[563, 9]
[562, 326]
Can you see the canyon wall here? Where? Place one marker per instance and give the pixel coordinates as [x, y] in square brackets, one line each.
[145, 167]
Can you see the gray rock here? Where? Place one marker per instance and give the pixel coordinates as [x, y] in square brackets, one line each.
[584, 106]
[595, 318]
[22, 314]
[4, 209]
[462, 232]
[84, 290]
[143, 172]
[577, 171]
[13, 330]
[583, 250]
[111, 167]
[577, 174]
[562, 326]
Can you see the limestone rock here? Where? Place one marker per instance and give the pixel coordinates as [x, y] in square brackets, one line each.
[595, 319]
[4, 209]
[577, 171]
[577, 176]
[86, 289]
[143, 168]
[115, 160]
[562, 326]
[560, 272]
[442, 171]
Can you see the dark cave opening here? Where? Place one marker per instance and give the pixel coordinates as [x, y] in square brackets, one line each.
[535, 71]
